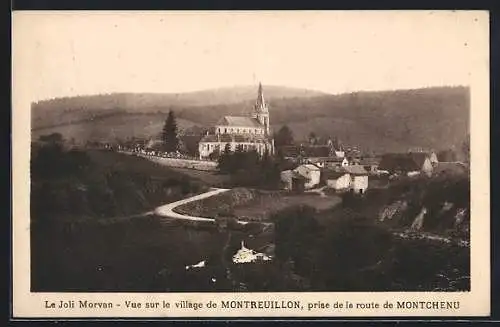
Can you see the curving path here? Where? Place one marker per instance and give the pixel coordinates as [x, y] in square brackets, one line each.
[167, 209]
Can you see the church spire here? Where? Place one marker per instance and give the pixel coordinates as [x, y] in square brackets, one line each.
[261, 110]
[260, 104]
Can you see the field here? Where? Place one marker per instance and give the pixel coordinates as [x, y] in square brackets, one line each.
[113, 127]
[210, 178]
[254, 205]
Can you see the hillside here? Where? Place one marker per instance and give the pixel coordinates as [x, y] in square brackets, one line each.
[380, 121]
[74, 185]
[60, 111]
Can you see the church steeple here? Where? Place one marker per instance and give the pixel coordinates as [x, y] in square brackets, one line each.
[261, 110]
[260, 105]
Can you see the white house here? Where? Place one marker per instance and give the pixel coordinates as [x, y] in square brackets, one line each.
[359, 183]
[359, 178]
[433, 158]
[339, 181]
[353, 177]
[311, 172]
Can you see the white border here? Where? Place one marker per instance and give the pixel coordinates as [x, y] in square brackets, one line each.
[473, 303]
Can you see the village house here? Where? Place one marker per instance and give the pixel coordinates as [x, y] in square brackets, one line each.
[311, 172]
[327, 162]
[371, 164]
[451, 169]
[336, 163]
[247, 133]
[311, 153]
[336, 180]
[447, 156]
[433, 158]
[293, 181]
[359, 178]
[354, 178]
[411, 164]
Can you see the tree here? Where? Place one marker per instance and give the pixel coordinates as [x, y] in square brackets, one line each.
[169, 135]
[225, 159]
[313, 138]
[283, 137]
[296, 233]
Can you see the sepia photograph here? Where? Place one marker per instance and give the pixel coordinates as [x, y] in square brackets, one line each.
[251, 152]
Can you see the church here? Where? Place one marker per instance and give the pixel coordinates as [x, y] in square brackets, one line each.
[244, 132]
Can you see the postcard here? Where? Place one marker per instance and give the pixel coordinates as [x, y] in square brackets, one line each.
[240, 164]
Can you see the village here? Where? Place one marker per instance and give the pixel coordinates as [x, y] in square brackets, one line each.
[249, 153]
[319, 164]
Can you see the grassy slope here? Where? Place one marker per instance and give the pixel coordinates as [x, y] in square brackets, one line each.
[253, 205]
[113, 185]
[110, 128]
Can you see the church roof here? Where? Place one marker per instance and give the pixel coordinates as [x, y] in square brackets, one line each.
[234, 138]
[238, 121]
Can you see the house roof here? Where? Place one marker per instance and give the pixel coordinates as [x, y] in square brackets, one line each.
[226, 138]
[447, 155]
[238, 121]
[451, 167]
[402, 161]
[308, 151]
[332, 174]
[310, 166]
[419, 157]
[369, 161]
[355, 170]
[290, 151]
[315, 151]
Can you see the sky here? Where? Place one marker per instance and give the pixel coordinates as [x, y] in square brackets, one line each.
[76, 53]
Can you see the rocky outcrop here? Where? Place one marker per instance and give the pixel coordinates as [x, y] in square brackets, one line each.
[393, 210]
[418, 223]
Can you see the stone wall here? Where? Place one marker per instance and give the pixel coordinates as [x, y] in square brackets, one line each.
[181, 163]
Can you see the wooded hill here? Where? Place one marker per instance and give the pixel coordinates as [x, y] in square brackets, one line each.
[436, 117]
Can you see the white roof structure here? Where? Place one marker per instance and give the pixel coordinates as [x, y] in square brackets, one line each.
[200, 264]
[246, 255]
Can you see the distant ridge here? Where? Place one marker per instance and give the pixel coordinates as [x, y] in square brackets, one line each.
[435, 117]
